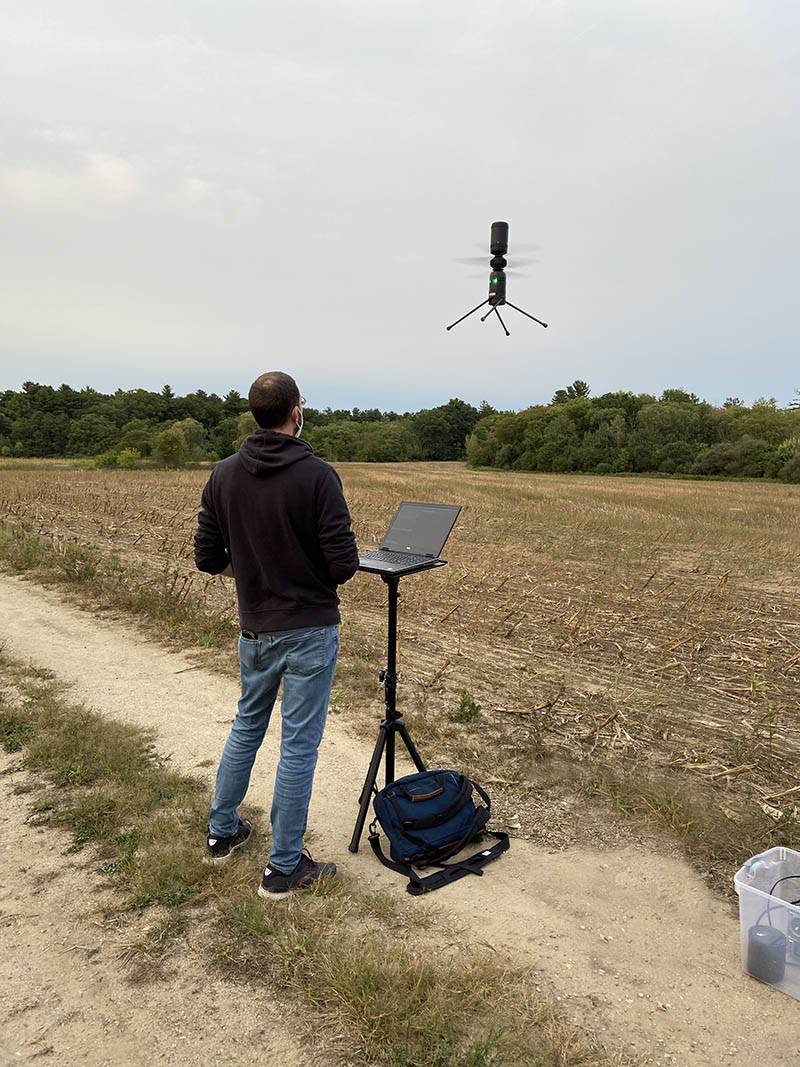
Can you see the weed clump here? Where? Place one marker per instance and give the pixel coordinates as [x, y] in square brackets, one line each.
[468, 710]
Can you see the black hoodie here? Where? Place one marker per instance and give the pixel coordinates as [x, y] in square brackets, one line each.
[277, 513]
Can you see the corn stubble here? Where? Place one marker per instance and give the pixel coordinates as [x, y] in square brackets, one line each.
[636, 641]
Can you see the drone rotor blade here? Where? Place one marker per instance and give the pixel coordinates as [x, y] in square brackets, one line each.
[470, 261]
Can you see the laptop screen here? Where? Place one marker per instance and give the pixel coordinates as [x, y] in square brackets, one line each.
[420, 528]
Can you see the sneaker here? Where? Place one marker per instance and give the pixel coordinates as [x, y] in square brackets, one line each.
[276, 886]
[220, 849]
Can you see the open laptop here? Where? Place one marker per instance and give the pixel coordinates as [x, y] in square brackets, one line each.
[415, 537]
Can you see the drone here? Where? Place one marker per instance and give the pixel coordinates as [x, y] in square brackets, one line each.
[498, 246]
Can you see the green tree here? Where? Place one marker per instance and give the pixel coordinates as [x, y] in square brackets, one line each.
[560, 450]
[678, 396]
[386, 442]
[223, 438]
[578, 390]
[790, 471]
[659, 426]
[170, 448]
[481, 445]
[370, 415]
[233, 404]
[136, 434]
[140, 404]
[442, 432]
[128, 459]
[170, 402]
[195, 436]
[245, 425]
[749, 457]
[338, 442]
[40, 433]
[205, 407]
[90, 435]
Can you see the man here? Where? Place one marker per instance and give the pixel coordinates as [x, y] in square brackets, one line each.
[274, 517]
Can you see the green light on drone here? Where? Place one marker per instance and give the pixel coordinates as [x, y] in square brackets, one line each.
[494, 281]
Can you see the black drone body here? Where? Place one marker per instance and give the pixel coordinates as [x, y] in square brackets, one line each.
[498, 246]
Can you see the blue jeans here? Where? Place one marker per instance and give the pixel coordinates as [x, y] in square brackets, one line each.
[305, 660]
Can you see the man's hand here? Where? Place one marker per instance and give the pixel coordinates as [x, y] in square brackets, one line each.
[228, 572]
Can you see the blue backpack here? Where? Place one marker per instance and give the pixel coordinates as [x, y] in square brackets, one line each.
[427, 818]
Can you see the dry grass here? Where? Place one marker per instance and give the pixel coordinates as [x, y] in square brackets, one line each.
[381, 991]
[647, 629]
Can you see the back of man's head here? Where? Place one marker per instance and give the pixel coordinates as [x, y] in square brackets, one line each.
[272, 397]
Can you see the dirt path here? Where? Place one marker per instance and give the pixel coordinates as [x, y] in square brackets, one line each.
[633, 942]
[64, 997]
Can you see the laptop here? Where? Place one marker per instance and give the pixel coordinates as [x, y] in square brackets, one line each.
[415, 537]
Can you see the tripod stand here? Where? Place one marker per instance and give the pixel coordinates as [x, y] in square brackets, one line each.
[392, 723]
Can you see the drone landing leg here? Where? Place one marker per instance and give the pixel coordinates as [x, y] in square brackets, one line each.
[514, 306]
[452, 324]
[501, 321]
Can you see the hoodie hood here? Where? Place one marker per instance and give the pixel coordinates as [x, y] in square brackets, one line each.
[267, 451]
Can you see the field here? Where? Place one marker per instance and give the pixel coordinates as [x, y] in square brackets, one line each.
[632, 640]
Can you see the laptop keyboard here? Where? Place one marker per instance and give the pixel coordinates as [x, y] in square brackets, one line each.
[384, 556]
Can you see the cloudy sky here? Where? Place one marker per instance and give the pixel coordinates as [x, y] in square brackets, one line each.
[193, 193]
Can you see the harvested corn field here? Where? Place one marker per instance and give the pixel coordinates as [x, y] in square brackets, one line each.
[587, 633]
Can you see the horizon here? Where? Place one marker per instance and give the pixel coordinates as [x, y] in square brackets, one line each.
[790, 402]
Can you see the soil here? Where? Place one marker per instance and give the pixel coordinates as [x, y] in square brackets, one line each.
[66, 997]
[629, 939]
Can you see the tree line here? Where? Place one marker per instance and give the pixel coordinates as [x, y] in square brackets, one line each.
[130, 427]
[676, 433]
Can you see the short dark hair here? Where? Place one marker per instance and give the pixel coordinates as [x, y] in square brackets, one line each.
[272, 397]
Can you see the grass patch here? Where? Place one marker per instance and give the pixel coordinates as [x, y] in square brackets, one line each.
[16, 729]
[390, 997]
[160, 599]
[716, 838]
[407, 1007]
[468, 709]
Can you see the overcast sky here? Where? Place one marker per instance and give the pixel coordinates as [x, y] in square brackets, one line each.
[196, 192]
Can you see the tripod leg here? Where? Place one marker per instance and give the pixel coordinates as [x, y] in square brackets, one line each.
[412, 749]
[501, 321]
[514, 306]
[390, 754]
[369, 785]
[452, 324]
[488, 313]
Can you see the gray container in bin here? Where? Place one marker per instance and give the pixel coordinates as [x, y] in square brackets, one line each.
[769, 923]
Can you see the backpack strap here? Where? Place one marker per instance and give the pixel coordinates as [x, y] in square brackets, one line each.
[394, 865]
[449, 872]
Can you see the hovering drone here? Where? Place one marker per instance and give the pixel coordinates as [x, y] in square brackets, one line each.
[498, 246]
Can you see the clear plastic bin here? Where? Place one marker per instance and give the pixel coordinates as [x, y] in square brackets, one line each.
[769, 924]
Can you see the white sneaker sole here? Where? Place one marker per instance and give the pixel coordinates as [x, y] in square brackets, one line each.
[282, 894]
[218, 861]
